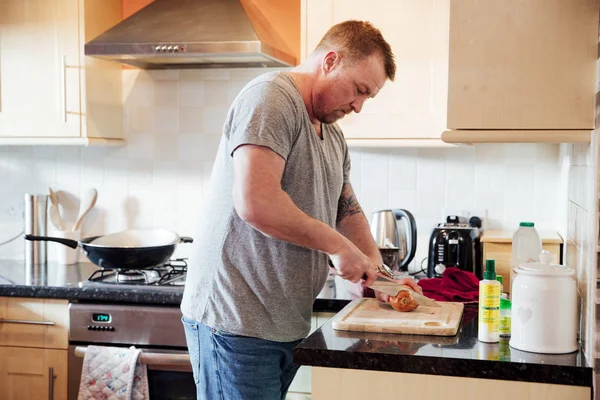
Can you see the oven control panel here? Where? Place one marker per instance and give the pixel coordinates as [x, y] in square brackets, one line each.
[144, 325]
[100, 328]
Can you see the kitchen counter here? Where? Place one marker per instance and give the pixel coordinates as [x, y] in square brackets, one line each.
[63, 282]
[460, 356]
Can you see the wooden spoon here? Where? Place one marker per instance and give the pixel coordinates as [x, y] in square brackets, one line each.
[88, 200]
[54, 212]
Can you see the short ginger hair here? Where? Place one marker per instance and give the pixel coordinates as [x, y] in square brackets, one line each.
[358, 40]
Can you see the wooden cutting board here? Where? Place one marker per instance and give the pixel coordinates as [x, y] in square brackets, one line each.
[371, 315]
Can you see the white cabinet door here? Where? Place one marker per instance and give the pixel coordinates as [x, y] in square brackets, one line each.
[414, 105]
[39, 68]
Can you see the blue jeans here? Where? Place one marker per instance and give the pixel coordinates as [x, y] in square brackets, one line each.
[232, 367]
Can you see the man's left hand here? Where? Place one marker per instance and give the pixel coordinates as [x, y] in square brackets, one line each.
[403, 281]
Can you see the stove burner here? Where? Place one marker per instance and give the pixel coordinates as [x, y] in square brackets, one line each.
[149, 276]
[170, 274]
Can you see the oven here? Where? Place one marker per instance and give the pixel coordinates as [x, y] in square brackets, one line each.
[155, 329]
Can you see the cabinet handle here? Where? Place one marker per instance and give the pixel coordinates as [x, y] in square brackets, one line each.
[25, 322]
[51, 383]
[64, 86]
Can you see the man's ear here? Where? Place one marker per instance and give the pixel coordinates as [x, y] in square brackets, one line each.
[330, 61]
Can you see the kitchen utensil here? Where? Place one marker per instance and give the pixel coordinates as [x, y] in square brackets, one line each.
[370, 315]
[88, 200]
[54, 211]
[392, 288]
[455, 243]
[386, 284]
[545, 314]
[130, 249]
[389, 235]
[65, 255]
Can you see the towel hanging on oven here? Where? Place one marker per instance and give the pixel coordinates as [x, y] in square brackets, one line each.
[113, 372]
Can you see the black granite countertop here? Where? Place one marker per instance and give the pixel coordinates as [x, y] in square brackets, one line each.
[461, 355]
[64, 282]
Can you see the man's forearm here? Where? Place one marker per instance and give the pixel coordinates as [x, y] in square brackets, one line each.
[352, 223]
[356, 229]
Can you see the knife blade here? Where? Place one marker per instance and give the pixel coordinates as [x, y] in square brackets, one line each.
[391, 288]
[387, 285]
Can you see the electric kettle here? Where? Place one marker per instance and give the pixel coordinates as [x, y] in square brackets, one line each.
[397, 241]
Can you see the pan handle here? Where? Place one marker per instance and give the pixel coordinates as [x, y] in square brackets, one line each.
[186, 239]
[67, 242]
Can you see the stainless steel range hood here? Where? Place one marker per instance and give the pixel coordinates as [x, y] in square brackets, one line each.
[192, 34]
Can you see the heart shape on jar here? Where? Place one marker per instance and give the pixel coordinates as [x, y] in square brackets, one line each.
[525, 314]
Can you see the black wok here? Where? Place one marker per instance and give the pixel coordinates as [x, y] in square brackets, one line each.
[131, 249]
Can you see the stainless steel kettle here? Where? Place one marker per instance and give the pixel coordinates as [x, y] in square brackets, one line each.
[397, 242]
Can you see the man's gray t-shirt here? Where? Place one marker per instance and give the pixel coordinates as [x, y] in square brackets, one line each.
[239, 280]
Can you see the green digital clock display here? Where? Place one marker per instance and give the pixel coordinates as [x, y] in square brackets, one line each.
[99, 317]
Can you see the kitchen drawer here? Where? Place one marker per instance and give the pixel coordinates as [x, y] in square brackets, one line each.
[40, 323]
[502, 253]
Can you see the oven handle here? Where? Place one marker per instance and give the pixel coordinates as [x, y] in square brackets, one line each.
[170, 359]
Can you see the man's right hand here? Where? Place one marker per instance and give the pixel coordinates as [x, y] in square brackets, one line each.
[351, 264]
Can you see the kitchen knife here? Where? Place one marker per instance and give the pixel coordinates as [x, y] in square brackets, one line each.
[391, 288]
[385, 284]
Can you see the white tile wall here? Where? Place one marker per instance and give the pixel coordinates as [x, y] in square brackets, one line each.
[173, 122]
[579, 164]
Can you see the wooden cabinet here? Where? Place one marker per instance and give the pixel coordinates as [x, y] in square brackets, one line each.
[29, 322]
[33, 348]
[27, 373]
[353, 384]
[50, 92]
[522, 66]
[412, 109]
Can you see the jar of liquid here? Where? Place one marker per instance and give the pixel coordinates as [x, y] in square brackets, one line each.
[505, 317]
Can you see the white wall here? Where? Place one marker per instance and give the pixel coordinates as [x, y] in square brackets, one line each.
[173, 124]
[580, 163]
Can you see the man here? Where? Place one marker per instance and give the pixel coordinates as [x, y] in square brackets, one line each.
[280, 206]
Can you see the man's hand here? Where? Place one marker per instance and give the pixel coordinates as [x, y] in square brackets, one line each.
[351, 264]
[403, 281]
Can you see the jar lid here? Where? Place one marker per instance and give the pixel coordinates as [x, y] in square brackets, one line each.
[544, 267]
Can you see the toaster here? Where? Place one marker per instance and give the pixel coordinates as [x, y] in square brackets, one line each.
[456, 243]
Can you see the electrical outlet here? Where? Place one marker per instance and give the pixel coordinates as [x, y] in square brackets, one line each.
[467, 213]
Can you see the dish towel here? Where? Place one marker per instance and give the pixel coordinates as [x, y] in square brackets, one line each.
[113, 373]
[454, 285]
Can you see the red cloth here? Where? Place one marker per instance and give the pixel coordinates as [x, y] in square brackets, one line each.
[454, 285]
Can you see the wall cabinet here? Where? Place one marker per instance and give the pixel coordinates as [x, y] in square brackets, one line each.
[33, 348]
[522, 70]
[412, 109]
[50, 92]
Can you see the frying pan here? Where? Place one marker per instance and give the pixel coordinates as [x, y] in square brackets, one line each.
[130, 249]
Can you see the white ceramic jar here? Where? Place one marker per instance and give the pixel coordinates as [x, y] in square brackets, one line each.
[545, 312]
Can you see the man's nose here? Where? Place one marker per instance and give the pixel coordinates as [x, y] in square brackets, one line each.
[357, 105]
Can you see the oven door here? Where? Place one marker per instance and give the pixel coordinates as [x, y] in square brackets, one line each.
[169, 373]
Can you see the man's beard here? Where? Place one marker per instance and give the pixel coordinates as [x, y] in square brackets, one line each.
[328, 118]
